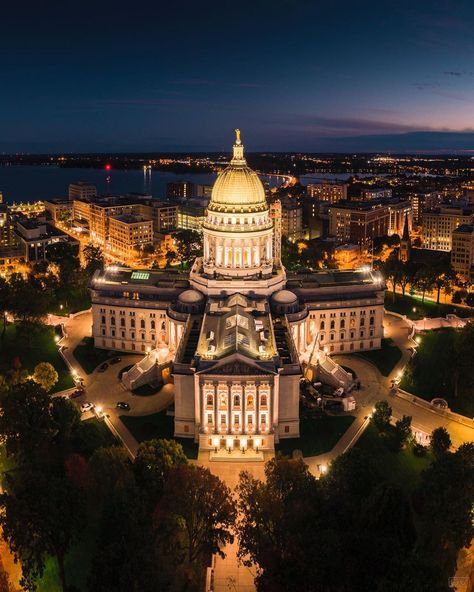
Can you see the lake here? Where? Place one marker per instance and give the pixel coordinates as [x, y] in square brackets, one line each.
[32, 183]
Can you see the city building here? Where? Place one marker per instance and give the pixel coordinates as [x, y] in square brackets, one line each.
[399, 212]
[291, 219]
[462, 251]
[358, 223]
[36, 236]
[375, 193]
[235, 332]
[439, 224]
[180, 190]
[59, 209]
[203, 191]
[164, 215]
[405, 243]
[423, 201]
[7, 228]
[191, 215]
[329, 192]
[81, 190]
[128, 235]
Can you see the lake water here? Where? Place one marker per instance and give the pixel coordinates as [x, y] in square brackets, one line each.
[32, 183]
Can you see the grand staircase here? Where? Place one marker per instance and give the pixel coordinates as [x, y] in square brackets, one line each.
[148, 369]
[328, 371]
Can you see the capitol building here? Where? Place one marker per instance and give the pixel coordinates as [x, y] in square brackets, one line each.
[237, 333]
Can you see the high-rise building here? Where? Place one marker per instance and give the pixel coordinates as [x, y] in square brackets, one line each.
[423, 201]
[462, 251]
[82, 190]
[329, 192]
[358, 223]
[180, 190]
[438, 226]
[191, 215]
[291, 219]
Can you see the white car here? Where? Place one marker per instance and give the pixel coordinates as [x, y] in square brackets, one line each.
[86, 407]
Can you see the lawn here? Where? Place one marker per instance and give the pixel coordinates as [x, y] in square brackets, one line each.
[415, 309]
[385, 358]
[75, 301]
[429, 374]
[317, 435]
[89, 357]
[38, 346]
[402, 467]
[157, 425]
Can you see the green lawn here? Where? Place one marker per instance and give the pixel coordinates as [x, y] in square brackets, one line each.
[415, 309]
[89, 357]
[385, 358]
[429, 373]
[38, 346]
[317, 435]
[402, 467]
[157, 425]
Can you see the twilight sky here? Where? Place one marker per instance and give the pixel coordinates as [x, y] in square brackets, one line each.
[292, 74]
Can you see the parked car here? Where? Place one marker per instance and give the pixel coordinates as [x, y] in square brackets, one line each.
[103, 367]
[115, 361]
[77, 393]
[86, 407]
[123, 405]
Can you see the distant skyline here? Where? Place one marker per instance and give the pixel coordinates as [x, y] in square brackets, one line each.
[294, 76]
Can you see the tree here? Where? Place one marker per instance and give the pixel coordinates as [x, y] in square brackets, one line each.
[93, 258]
[66, 419]
[392, 270]
[275, 527]
[45, 374]
[66, 256]
[5, 293]
[30, 300]
[403, 430]
[188, 245]
[443, 276]
[201, 511]
[109, 472]
[440, 441]
[153, 462]
[424, 280]
[381, 415]
[447, 525]
[52, 510]
[25, 422]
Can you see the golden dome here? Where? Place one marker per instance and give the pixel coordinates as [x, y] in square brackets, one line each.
[238, 187]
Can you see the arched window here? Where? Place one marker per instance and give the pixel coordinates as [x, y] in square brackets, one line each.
[163, 326]
[132, 323]
[112, 321]
[362, 321]
[263, 401]
[103, 320]
[236, 401]
[209, 400]
[372, 320]
[142, 324]
[153, 325]
[332, 325]
[321, 326]
[122, 322]
[343, 324]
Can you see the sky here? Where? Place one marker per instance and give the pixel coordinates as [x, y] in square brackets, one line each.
[293, 75]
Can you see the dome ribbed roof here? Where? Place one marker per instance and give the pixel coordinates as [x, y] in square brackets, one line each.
[284, 297]
[238, 185]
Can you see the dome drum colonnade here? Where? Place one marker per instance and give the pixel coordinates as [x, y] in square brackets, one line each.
[238, 230]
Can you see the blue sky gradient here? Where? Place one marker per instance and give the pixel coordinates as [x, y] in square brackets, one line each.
[306, 75]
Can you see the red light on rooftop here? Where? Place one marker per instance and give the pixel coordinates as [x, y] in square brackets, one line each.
[108, 167]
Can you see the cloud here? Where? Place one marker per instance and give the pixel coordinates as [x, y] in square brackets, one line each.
[425, 85]
[207, 82]
[458, 73]
[338, 126]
